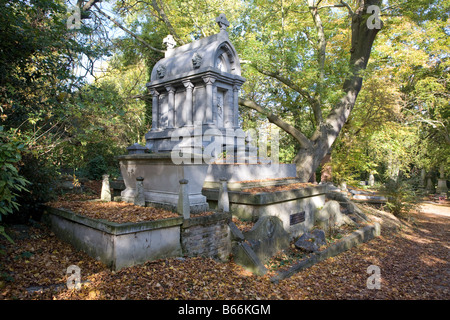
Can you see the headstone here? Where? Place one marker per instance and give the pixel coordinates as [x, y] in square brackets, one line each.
[442, 182]
[371, 180]
[442, 186]
[106, 191]
[330, 215]
[267, 237]
[224, 202]
[183, 199]
[139, 198]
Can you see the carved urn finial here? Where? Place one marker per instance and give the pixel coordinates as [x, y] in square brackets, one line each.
[169, 42]
[222, 22]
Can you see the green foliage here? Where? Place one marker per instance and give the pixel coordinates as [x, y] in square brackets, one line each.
[42, 177]
[401, 196]
[96, 167]
[11, 182]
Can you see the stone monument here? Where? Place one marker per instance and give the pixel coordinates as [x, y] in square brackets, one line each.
[194, 91]
[195, 120]
[442, 182]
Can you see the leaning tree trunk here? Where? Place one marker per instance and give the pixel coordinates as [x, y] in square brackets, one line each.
[309, 157]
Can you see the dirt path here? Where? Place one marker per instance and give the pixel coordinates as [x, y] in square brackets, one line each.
[413, 264]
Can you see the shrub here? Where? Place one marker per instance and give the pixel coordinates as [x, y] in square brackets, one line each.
[401, 197]
[96, 167]
[42, 188]
[11, 182]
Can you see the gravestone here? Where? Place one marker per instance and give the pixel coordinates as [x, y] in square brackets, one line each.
[106, 191]
[430, 184]
[371, 180]
[442, 182]
[330, 215]
[267, 237]
[422, 178]
[195, 92]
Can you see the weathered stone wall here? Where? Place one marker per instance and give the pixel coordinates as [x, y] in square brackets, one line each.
[207, 236]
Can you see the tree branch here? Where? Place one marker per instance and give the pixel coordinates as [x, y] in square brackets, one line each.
[313, 102]
[294, 132]
[165, 19]
[88, 4]
[345, 4]
[128, 31]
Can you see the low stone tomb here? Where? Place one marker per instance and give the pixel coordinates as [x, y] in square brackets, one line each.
[120, 245]
[295, 208]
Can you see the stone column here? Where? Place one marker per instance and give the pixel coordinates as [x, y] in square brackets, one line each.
[209, 81]
[188, 106]
[106, 190]
[235, 111]
[215, 104]
[224, 202]
[139, 197]
[171, 106]
[183, 207]
[155, 109]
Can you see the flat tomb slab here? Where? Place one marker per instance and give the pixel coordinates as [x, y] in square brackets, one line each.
[117, 245]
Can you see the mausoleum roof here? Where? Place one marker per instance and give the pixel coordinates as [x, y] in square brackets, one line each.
[214, 53]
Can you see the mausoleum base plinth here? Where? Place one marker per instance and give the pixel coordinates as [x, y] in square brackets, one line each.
[161, 180]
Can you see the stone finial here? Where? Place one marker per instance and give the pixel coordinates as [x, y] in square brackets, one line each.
[169, 42]
[183, 207]
[224, 202]
[222, 22]
[139, 198]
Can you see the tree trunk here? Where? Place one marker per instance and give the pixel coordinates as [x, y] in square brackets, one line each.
[308, 159]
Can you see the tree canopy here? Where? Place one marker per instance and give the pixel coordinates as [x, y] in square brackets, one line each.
[367, 80]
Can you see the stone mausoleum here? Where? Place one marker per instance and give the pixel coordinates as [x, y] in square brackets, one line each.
[195, 90]
[195, 84]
